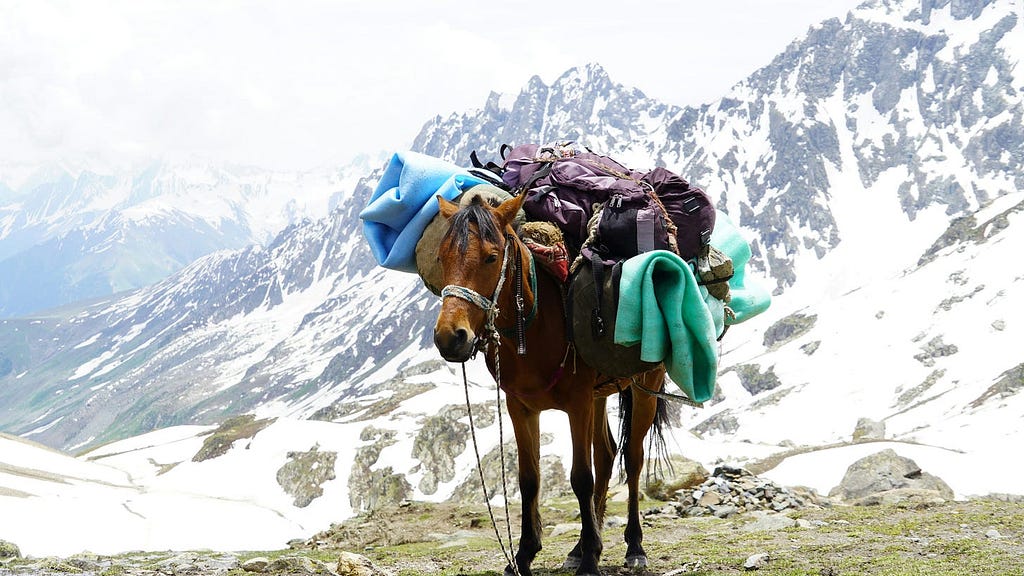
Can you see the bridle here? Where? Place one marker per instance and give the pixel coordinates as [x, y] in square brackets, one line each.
[490, 305]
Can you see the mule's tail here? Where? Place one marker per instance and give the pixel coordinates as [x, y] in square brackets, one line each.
[657, 448]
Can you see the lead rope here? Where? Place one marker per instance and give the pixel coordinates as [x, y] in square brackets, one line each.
[501, 450]
[507, 553]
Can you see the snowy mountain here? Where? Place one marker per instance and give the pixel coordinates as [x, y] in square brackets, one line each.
[69, 234]
[874, 165]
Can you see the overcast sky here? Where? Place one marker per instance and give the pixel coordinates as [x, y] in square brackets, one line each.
[300, 84]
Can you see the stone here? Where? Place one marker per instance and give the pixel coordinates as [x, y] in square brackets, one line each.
[757, 561]
[885, 471]
[351, 564]
[615, 521]
[765, 522]
[9, 550]
[710, 499]
[724, 511]
[560, 529]
[993, 534]
[85, 564]
[258, 564]
[296, 565]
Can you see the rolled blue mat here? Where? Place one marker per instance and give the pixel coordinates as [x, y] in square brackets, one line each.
[404, 203]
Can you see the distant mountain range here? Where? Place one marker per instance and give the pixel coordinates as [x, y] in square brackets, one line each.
[71, 234]
[875, 165]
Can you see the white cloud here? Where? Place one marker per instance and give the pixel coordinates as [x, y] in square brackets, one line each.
[298, 84]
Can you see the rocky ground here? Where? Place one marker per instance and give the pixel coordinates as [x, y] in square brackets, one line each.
[979, 537]
[764, 528]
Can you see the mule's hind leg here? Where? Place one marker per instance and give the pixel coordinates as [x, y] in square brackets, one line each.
[644, 411]
[526, 424]
[604, 464]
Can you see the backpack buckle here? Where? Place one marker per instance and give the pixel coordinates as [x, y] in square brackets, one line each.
[597, 323]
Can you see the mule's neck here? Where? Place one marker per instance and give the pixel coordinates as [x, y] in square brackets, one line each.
[517, 300]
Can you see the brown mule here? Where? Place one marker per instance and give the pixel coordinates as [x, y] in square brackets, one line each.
[484, 267]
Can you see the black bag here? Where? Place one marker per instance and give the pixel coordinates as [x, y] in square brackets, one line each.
[593, 301]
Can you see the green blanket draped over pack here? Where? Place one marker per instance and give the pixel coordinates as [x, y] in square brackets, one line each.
[674, 320]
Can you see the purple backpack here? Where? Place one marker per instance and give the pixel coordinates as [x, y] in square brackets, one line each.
[639, 212]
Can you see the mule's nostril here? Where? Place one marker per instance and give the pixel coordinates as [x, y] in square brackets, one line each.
[454, 344]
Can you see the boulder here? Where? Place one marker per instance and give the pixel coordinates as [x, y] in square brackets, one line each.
[298, 565]
[683, 474]
[917, 497]
[885, 471]
[350, 564]
[868, 429]
[9, 550]
[257, 564]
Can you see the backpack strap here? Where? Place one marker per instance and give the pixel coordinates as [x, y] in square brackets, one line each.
[541, 173]
[490, 172]
[596, 318]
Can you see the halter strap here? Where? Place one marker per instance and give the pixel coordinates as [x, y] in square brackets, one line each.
[490, 306]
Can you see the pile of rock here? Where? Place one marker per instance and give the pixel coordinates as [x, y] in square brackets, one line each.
[729, 491]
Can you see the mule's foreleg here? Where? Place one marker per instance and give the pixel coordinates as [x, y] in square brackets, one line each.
[526, 424]
[643, 413]
[581, 477]
[604, 464]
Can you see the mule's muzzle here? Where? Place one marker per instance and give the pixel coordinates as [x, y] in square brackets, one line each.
[456, 344]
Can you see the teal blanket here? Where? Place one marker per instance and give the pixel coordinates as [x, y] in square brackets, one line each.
[748, 299]
[674, 320]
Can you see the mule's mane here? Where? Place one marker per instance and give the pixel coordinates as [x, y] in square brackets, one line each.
[459, 227]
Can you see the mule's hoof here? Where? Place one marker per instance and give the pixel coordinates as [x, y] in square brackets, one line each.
[636, 561]
[510, 572]
[571, 563]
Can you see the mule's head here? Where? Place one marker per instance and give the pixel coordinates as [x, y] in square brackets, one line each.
[472, 255]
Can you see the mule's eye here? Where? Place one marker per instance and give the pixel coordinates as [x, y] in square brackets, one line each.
[491, 259]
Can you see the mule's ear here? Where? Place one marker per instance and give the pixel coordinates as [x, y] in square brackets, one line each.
[448, 209]
[509, 208]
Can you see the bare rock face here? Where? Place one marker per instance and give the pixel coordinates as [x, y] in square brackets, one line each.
[304, 474]
[441, 439]
[887, 472]
[370, 489]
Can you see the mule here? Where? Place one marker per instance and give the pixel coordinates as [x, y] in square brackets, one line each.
[481, 255]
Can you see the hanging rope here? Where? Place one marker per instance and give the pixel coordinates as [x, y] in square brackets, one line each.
[506, 552]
